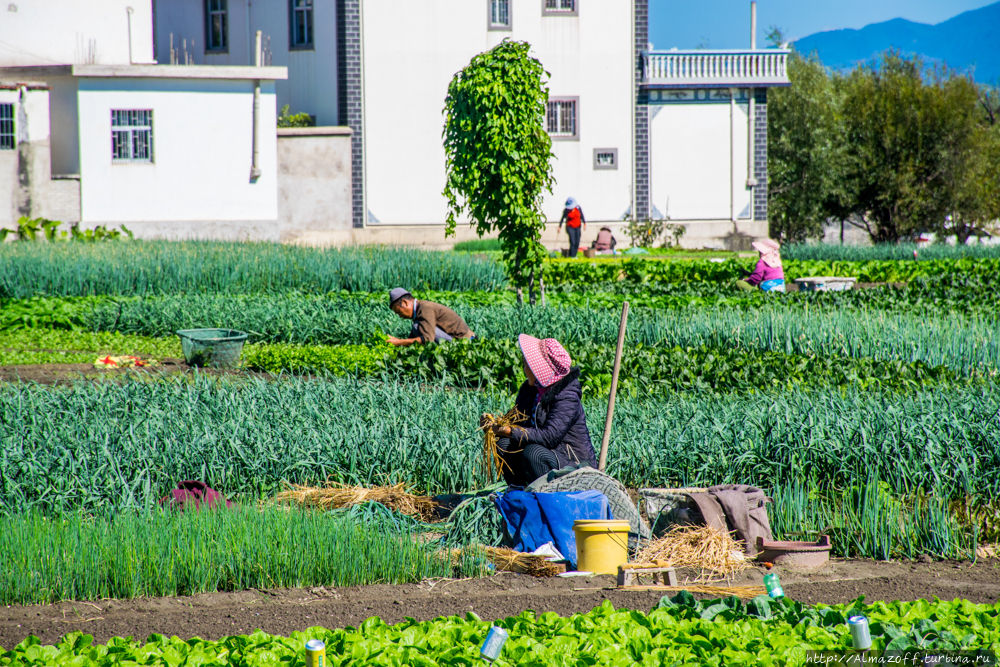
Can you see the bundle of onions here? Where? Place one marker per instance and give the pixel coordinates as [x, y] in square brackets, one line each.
[492, 463]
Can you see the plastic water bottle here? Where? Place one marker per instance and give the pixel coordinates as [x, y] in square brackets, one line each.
[773, 586]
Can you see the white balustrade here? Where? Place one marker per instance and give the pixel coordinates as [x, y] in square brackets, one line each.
[720, 68]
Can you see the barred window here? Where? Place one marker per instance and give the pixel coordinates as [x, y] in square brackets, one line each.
[8, 141]
[302, 24]
[131, 135]
[561, 118]
[499, 14]
[560, 6]
[605, 158]
[216, 25]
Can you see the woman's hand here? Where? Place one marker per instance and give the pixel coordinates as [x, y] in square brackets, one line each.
[502, 431]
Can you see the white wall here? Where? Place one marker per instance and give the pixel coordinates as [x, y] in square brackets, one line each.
[314, 181]
[413, 48]
[691, 155]
[75, 32]
[199, 181]
[311, 86]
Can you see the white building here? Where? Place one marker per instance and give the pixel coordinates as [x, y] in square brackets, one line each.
[635, 133]
[167, 150]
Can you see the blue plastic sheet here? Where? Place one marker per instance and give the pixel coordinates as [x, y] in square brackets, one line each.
[532, 519]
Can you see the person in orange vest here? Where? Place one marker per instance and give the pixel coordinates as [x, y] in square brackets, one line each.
[573, 217]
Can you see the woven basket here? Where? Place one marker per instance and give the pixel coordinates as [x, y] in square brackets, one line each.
[215, 348]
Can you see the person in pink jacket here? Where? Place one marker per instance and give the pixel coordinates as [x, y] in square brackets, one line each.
[768, 273]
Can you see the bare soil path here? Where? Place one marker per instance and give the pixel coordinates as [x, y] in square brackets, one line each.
[216, 615]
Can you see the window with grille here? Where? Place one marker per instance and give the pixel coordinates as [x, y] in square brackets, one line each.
[302, 24]
[499, 14]
[216, 25]
[559, 6]
[605, 158]
[561, 119]
[8, 141]
[131, 135]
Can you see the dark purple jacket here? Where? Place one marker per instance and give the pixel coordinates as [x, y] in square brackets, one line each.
[560, 423]
[762, 273]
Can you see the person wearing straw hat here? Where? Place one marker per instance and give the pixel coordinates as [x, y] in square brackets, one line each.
[431, 321]
[768, 273]
[573, 217]
[553, 433]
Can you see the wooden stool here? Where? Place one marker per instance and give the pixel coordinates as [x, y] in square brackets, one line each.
[629, 573]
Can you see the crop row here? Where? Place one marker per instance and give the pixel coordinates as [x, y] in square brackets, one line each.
[162, 267]
[680, 630]
[73, 557]
[965, 344]
[645, 370]
[151, 267]
[103, 447]
[885, 251]
[655, 271]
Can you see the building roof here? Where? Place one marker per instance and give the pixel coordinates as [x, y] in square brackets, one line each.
[145, 72]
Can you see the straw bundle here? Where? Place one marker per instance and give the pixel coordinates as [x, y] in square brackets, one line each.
[492, 463]
[742, 592]
[508, 560]
[714, 553]
[336, 496]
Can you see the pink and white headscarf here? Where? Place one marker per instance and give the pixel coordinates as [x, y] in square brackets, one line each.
[768, 250]
[548, 360]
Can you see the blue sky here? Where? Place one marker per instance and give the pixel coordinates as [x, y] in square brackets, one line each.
[725, 24]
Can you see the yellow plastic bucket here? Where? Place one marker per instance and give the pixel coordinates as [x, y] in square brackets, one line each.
[601, 546]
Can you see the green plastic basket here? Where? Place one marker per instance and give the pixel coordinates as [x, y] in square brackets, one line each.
[215, 348]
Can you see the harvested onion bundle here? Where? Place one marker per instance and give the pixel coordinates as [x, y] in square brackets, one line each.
[492, 463]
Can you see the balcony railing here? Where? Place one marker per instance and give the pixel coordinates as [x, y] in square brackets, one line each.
[715, 69]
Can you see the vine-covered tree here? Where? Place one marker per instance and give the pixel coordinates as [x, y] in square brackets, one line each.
[498, 156]
[805, 151]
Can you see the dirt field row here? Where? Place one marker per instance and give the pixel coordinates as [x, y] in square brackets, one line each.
[215, 615]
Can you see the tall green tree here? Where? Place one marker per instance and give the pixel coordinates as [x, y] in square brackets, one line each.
[911, 137]
[805, 150]
[498, 155]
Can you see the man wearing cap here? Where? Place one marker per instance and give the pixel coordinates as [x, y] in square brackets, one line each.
[431, 321]
[554, 432]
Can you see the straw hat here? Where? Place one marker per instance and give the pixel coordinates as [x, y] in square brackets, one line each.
[548, 360]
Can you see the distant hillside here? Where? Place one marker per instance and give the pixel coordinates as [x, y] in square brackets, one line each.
[967, 40]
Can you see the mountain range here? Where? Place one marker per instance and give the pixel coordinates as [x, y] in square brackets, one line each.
[967, 42]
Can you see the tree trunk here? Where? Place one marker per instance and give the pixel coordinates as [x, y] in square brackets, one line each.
[841, 232]
[531, 288]
[541, 288]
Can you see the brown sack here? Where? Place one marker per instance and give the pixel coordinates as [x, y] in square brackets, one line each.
[746, 512]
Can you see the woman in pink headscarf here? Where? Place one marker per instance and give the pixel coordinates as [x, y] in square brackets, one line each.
[768, 272]
[554, 432]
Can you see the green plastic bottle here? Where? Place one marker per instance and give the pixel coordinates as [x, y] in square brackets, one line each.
[773, 586]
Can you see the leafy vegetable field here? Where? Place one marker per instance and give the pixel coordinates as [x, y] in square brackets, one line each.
[680, 631]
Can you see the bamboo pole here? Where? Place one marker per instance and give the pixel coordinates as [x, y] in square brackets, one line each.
[614, 388]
